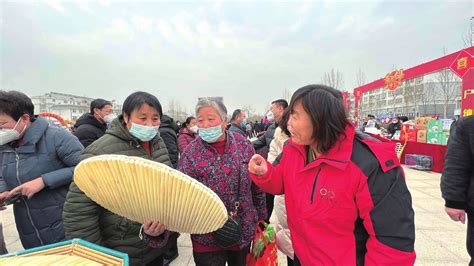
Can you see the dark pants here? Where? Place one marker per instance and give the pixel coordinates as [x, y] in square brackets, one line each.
[172, 252]
[3, 246]
[219, 258]
[296, 261]
[270, 198]
[156, 262]
[470, 237]
[289, 262]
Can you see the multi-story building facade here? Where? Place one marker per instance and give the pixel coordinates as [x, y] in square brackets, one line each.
[431, 88]
[68, 106]
[424, 95]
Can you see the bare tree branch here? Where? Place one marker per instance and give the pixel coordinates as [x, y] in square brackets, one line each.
[176, 111]
[467, 38]
[360, 78]
[249, 110]
[333, 79]
[426, 97]
[447, 84]
[252, 114]
[412, 93]
[287, 95]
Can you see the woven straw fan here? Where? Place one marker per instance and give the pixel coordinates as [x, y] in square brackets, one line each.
[143, 190]
[48, 260]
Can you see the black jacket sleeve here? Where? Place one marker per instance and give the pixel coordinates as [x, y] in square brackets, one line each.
[458, 166]
[171, 142]
[259, 143]
[385, 228]
[87, 134]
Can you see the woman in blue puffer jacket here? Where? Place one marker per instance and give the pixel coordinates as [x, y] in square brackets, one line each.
[37, 161]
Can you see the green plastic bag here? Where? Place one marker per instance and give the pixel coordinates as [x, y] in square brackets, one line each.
[258, 247]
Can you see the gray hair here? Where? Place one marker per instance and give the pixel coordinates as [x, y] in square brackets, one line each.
[217, 104]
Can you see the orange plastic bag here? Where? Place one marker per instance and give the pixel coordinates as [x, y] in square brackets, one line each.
[269, 256]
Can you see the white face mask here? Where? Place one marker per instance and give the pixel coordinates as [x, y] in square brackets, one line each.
[270, 116]
[194, 129]
[8, 135]
[109, 118]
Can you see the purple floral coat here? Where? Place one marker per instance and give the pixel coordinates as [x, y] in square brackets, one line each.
[220, 173]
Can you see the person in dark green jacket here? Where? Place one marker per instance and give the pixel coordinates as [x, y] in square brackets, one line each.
[133, 133]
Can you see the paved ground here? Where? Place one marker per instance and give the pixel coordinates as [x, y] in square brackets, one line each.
[439, 241]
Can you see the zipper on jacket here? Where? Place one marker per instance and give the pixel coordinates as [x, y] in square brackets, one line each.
[314, 186]
[140, 148]
[329, 159]
[334, 160]
[24, 200]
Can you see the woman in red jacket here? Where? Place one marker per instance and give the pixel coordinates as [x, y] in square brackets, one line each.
[346, 197]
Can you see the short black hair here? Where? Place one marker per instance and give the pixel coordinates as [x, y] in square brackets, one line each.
[328, 115]
[371, 116]
[137, 99]
[281, 102]
[99, 104]
[403, 118]
[235, 114]
[16, 104]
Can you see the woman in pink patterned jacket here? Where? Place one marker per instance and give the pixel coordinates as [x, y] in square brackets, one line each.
[218, 158]
[187, 133]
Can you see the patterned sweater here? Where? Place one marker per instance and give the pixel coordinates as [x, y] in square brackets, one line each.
[221, 174]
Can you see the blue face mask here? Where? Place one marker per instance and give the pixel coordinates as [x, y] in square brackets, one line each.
[144, 133]
[243, 123]
[211, 134]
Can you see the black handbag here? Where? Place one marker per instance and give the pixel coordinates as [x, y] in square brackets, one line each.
[231, 233]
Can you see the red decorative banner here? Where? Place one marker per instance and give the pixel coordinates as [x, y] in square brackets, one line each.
[57, 117]
[357, 95]
[467, 93]
[394, 79]
[463, 62]
[423, 69]
[346, 100]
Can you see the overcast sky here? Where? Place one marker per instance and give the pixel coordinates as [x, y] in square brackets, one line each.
[249, 52]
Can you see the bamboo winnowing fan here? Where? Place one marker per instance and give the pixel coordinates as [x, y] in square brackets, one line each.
[143, 190]
[48, 260]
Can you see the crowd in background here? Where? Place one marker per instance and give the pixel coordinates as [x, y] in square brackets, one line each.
[389, 126]
[334, 185]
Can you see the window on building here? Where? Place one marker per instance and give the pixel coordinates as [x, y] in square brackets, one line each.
[419, 80]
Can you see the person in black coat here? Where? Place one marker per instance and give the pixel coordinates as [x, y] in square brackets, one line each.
[452, 126]
[238, 122]
[168, 129]
[263, 143]
[394, 126]
[457, 181]
[278, 108]
[91, 126]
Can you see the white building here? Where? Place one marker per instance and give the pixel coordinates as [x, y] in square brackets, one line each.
[68, 106]
[424, 95]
